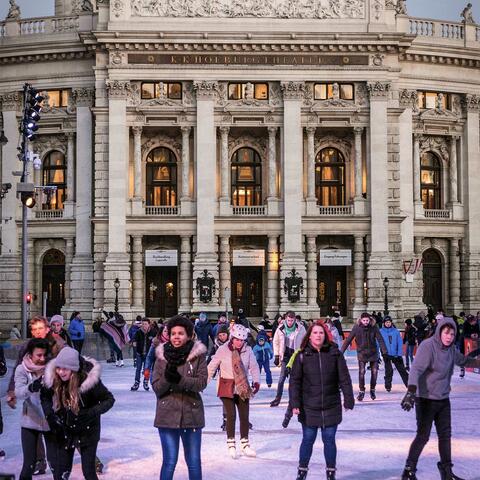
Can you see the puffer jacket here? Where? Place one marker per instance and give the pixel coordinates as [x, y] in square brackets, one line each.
[280, 342]
[180, 405]
[315, 383]
[366, 338]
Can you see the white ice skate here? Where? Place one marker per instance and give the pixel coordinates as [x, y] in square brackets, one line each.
[247, 450]
[232, 451]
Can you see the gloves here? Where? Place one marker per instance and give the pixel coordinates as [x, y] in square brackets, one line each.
[146, 374]
[36, 385]
[255, 388]
[171, 374]
[408, 401]
[276, 362]
[55, 423]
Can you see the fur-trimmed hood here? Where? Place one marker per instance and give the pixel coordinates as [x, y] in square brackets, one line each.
[88, 365]
[198, 349]
[372, 323]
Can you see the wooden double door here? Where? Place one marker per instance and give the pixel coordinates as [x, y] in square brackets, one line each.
[332, 290]
[247, 290]
[161, 285]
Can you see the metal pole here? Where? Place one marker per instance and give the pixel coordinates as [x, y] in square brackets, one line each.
[24, 271]
[385, 306]
[44, 303]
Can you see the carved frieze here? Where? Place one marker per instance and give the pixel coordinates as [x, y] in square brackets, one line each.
[409, 99]
[83, 97]
[344, 144]
[319, 9]
[471, 102]
[258, 144]
[293, 90]
[206, 90]
[47, 143]
[437, 144]
[160, 140]
[378, 89]
[117, 7]
[118, 88]
[11, 101]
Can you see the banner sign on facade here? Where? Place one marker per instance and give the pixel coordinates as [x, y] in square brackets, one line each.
[161, 258]
[249, 258]
[335, 258]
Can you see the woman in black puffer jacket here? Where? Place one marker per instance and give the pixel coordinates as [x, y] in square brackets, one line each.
[318, 374]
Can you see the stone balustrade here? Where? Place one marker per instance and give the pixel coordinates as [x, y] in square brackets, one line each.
[336, 211]
[160, 211]
[438, 214]
[435, 28]
[249, 211]
[48, 214]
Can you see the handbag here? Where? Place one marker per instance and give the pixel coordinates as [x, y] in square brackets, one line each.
[226, 387]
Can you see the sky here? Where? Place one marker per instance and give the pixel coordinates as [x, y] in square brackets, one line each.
[436, 9]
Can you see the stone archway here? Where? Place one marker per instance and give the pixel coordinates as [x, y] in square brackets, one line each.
[432, 279]
[53, 280]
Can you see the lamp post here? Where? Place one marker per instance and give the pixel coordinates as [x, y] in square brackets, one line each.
[116, 284]
[385, 302]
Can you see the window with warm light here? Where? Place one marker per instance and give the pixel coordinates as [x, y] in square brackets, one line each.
[161, 178]
[325, 91]
[428, 100]
[171, 90]
[246, 170]
[54, 173]
[430, 178]
[239, 91]
[330, 177]
[58, 98]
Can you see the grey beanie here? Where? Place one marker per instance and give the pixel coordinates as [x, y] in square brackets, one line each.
[68, 358]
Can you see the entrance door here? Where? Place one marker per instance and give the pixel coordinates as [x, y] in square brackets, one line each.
[247, 290]
[161, 292]
[332, 290]
[53, 281]
[432, 279]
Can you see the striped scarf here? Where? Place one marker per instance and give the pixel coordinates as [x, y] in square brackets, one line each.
[240, 376]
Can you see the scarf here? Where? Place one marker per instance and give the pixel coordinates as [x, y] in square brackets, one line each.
[240, 376]
[177, 356]
[289, 330]
[30, 367]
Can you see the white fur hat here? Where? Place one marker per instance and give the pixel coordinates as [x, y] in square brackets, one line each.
[239, 331]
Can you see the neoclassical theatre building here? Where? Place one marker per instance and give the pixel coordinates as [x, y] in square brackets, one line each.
[275, 154]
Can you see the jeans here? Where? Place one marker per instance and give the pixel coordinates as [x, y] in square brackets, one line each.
[140, 360]
[429, 412]
[243, 407]
[266, 365]
[373, 375]
[329, 445]
[281, 379]
[78, 345]
[30, 440]
[409, 355]
[398, 362]
[88, 453]
[191, 441]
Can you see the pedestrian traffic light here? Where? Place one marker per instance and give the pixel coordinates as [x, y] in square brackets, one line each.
[29, 298]
[32, 110]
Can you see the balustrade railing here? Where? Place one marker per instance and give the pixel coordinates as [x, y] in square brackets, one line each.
[46, 214]
[438, 214]
[336, 211]
[163, 210]
[33, 26]
[249, 211]
[435, 28]
[2, 29]
[41, 26]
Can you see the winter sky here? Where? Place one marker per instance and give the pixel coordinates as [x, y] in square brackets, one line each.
[437, 9]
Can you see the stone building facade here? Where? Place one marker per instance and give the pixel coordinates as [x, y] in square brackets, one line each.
[249, 144]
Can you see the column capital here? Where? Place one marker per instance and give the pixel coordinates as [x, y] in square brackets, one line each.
[455, 138]
[205, 90]
[293, 90]
[408, 98]
[185, 129]
[358, 130]
[310, 130]
[417, 137]
[137, 130]
[83, 97]
[224, 129]
[118, 89]
[272, 131]
[70, 136]
[378, 90]
[471, 103]
[11, 101]
[358, 238]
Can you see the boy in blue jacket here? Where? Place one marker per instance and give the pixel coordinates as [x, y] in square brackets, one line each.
[76, 330]
[394, 343]
[264, 353]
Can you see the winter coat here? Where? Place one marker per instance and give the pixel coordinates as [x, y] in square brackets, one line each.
[263, 353]
[280, 344]
[420, 325]
[393, 341]
[63, 334]
[76, 329]
[204, 331]
[335, 335]
[366, 338]
[142, 341]
[410, 335]
[469, 329]
[95, 400]
[315, 383]
[133, 330]
[432, 369]
[180, 405]
[223, 360]
[32, 412]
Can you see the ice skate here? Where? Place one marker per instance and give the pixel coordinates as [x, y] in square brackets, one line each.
[462, 372]
[409, 473]
[40, 467]
[286, 421]
[331, 473]
[2, 454]
[134, 387]
[446, 472]
[372, 394]
[98, 465]
[361, 395]
[145, 385]
[232, 451]
[247, 450]
[275, 402]
[302, 473]
[119, 363]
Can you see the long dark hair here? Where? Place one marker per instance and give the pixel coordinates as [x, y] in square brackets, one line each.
[317, 323]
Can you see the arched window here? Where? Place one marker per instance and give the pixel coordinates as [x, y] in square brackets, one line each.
[330, 177]
[431, 172]
[161, 178]
[54, 173]
[246, 178]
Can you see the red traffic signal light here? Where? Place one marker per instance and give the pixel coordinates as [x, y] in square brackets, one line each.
[29, 298]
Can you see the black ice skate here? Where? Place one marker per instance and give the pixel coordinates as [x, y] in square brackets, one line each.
[409, 473]
[302, 473]
[40, 467]
[361, 395]
[145, 385]
[135, 387]
[98, 465]
[372, 394]
[275, 402]
[331, 473]
[462, 372]
[446, 472]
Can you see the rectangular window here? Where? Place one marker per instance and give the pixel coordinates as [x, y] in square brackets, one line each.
[239, 91]
[326, 91]
[428, 100]
[58, 98]
[171, 90]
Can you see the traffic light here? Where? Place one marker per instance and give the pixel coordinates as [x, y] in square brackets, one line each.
[27, 194]
[32, 111]
[28, 298]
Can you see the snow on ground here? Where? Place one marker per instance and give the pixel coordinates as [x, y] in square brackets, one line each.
[372, 441]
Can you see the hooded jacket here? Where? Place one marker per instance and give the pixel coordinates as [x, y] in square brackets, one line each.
[366, 338]
[280, 344]
[263, 353]
[393, 341]
[180, 405]
[432, 368]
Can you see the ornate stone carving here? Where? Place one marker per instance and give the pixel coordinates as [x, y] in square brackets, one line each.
[467, 15]
[293, 90]
[343, 144]
[118, 88]
[11, 101]
[47, 143]
[206, 90]
[361, 95]
[436, 144]
[378, 8]
[401, 7]
[319, 9]
[118, 58]
[14, 11]
[258, 144]
[409, 98]
[49, 109]
[117, 7]
[378, 89]
[471, 102]
[160, 140]
[377, 59]
[82, 6]
[391, 4]
[83, 97]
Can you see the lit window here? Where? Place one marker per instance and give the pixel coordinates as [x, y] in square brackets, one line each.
[246, 170]
[428, 100]
[54, 170]
[326, 91]
[171, 90]
[430, 181]
[161, 178]
[330, 177]
[58, 98]
[239, 91]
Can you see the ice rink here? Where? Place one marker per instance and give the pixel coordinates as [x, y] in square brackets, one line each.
[372, 441]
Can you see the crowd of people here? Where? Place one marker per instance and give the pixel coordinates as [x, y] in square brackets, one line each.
[63, 396]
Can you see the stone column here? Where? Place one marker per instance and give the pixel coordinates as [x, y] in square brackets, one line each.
[454, 204]
[358, 201]
[206, 162]
[273, 202]
[31, 275]
[225, 279]
[311, 201]
[359, 276]
[137, 200]
[272, 306]
[69, 204]
[185, 274]
[455, 306]
[69, 252]
[186, 199]
[138, 307]
[312, 286]
[293, 257]
[417, 194]
[225, 203]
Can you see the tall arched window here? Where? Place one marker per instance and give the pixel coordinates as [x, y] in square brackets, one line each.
[330, 177]
[246, 176]
[54, 173]
[161, 177]
[431, 174]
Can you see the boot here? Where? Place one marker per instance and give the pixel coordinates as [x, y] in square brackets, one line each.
[232, 451]
[409, 473]
[286, 421]
[135, 386]
[2, 454]
[331, 473]
[247, 450]
[372, 394]
[98, 465]
[446, 472]
[111, 360]
[145, 385]
[462, 372]
[302, 473]
[223, 426]
[40, 467]
[361, 395]
[275, 402]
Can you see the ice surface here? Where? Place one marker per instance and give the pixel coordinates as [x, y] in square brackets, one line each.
[372, 441]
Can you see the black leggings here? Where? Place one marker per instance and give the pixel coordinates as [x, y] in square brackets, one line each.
[243, 410]
[30, 438]
[429, 412]
[373, 374]
[65, 461]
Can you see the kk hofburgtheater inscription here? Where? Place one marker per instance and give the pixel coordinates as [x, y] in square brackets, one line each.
[207, 59]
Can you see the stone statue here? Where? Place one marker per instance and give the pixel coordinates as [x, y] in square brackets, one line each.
[13, 11]
[87, 6]
[439, 103]
[466, 14]
[335, 92]
[401, 7]
[249, 91]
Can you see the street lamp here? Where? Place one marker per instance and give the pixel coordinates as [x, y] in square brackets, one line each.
[385, 304]
[116, 284]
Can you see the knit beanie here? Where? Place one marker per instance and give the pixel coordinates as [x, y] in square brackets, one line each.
[223, 328]
[68, 358]
[57, 319]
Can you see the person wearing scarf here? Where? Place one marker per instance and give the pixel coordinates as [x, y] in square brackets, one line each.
[236, 360]
[179, 375]
[28, 382]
